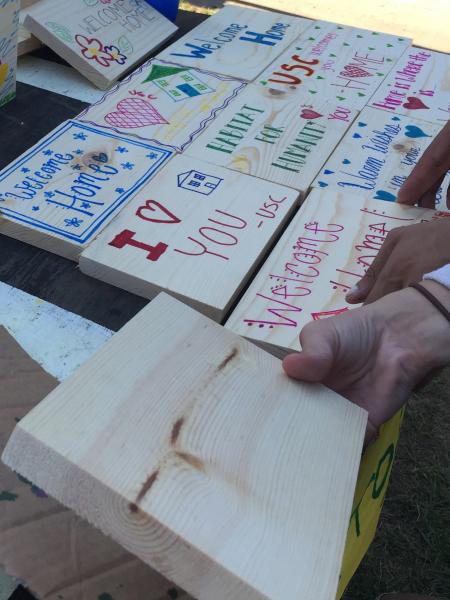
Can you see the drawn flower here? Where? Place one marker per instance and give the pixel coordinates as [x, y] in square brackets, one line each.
[74, 222]
[92, 49]
[129, 166]
[116, 54]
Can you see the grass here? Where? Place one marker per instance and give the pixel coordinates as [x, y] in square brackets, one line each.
[198, 9]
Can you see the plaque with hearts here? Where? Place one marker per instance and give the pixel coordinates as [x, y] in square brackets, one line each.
[344, 64]
[197, 231]
[63, 191]
[377, 154]
[164, 103]
[418, 87]
[275, 135]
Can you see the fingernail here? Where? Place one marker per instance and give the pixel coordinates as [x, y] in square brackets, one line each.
[354, 291]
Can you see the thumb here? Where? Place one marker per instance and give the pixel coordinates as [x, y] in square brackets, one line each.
[314, 363]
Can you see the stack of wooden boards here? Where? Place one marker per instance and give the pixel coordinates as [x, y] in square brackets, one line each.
[182, 179]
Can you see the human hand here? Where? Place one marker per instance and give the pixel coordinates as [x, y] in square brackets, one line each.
[406, 255]
[376, 355]
[427, 176]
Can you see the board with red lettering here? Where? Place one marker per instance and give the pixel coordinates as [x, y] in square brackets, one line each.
[164, 103]
[102, 40]
[274, 135]
[324, 252]
[196, 231]
[61, 192]
[190, 447]
[343, 63]
[418, 86]
[377, 154]
[236, 41]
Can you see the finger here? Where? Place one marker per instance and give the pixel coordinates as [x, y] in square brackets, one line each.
[363, 288]
[389, 281]
[428, 200]
[432, 166]
[314, 363]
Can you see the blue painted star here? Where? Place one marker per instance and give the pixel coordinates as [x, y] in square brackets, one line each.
[120, 190]
[35, 208]
[49, 194]
[152, 155]
[85, 205]
[25, 170]
[76, 167]
[128, 166]
[80, 136]
[74, 222]
[121, 149]
[47, 152]
[78, 151]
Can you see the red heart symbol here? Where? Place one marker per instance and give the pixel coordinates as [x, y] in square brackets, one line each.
[354, 71]
[308, 113]
[133, 113]
[153, 206]
[414, 103]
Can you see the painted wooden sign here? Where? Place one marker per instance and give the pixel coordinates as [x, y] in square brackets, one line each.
[324, 252]
[103, 40]
[236, 41]
[197, 231]
[164, 103]
[344, 64]
[188, 445]
[418, 86]
[9, 26]
[275, 136]
[60, 193]
[377, 154]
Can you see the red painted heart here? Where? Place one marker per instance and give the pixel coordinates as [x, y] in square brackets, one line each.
[308, 113]
[153, 206]
[414, 103]
[354, 71]
[133, 113]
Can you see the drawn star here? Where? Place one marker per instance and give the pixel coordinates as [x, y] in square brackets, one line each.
[85, 205]
[152, 155]
[76, 167]
[120, 190]
[35, 208]
[121, 149]
[47, 152]
[74, 222]
[25, 170]
[128, 166]
[49, 194]
[78, 151]
[80, 136]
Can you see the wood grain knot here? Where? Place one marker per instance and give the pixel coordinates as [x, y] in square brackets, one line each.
[228, 359]
[176, 429]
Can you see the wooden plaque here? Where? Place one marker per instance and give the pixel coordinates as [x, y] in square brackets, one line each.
[101, 40]
[344, 64]
[236, 41]
[377, 154]
[164, 103]
[197, 231]
[59, 194]
[9, 26]
[190, 447]
[418, 87]
[324, 252]
[275, 136]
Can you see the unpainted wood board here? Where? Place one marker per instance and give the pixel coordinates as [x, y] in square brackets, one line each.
[275, 136]
[418, 87]
[59, 194]
[26, 42]
[343, 64]
[197, 231]
[190, 447]
[425, 22]
[102, 41]
[236, 41]
[164, 103]
[377, 154]
[325, 250]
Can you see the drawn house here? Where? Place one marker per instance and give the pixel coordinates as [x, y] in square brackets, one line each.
[179, 83]
[199, 182]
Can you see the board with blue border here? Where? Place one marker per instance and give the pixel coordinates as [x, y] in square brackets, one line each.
[60, 194]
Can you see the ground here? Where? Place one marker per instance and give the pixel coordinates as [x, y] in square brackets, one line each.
[411, 552]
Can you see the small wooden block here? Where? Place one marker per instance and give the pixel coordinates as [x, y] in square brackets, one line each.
[275, 136]
[343, 64]
[324, 252]
[197, 231]
[9, 25]
[236, 41]
[418, 87]
[102, 41]
[190, 447]
[164, 103]
[60, 194]
[377, 154]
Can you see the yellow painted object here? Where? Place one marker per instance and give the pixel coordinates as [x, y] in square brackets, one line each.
[3, 73]
[373, 479]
